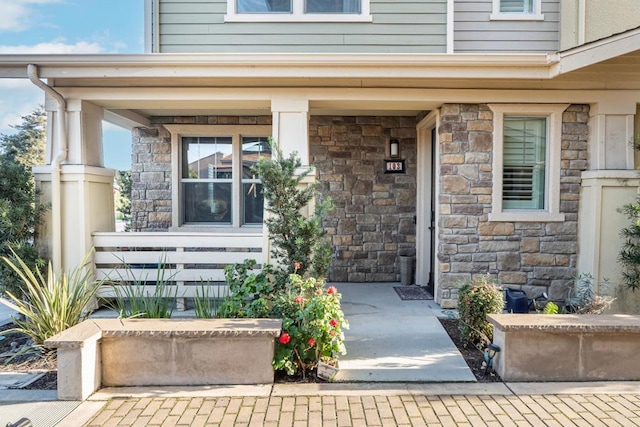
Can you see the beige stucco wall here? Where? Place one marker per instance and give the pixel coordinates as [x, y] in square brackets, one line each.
[603, 193]
[598, 18]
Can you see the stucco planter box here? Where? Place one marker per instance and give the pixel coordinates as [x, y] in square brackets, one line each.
[162, 352]
[564, 347]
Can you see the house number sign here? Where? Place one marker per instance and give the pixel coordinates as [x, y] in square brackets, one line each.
[394, 166]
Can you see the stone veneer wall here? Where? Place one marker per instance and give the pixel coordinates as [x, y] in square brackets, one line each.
[533, 256]
[151, 167]
[373, 221]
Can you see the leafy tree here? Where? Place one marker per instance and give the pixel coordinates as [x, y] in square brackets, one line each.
[20, 212]
[27, 146]
[298, 242]
[123, 202]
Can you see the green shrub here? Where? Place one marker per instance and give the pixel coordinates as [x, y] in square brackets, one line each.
[51, 304]
[250, 293]
[20, 211]
[550, 308]
[312, 326]
[476, 299]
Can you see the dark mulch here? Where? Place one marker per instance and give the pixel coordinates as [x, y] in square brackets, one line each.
[27, 362]
[472, 355]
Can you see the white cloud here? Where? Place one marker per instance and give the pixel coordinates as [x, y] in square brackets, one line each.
[57, 46]
[17, 15]
[17, 98]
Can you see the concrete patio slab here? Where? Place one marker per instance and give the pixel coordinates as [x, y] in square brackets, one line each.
[40, 414]
[391, 340]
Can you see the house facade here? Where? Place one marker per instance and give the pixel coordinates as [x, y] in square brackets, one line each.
[477, 137]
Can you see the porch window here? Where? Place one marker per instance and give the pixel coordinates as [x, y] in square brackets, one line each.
[517, 10]
[524, 154]
[298, 10]
[526, 162]
[217, 185]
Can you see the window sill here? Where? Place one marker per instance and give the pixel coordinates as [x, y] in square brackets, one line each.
[287, 17]
[525, 216]
[516, 17]
[188, 228]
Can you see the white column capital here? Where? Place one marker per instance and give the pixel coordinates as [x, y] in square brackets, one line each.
[289, 105]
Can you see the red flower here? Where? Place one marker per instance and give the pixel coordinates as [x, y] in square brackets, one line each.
[296, 266]
[298, 300]
[284, 338]
[318, 293]
[312, 342]
[333, 323]
[332, 290]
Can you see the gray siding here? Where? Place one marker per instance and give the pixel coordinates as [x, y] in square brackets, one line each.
[474, 32]
[415, 26]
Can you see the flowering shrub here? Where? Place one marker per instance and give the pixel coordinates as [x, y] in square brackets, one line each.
[312, 325]
[476, 299]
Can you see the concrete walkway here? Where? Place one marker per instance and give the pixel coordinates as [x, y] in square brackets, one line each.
[391, 340]
[496, 404]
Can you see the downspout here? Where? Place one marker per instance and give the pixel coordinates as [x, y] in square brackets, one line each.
[60, 156]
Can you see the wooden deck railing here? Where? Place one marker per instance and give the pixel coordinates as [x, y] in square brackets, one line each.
[190, 259]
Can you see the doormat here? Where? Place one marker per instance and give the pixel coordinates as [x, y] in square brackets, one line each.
[409, 293]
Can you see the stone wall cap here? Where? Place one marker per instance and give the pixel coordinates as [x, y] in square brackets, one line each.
[566, 322]
[76, 336]
[189, 328]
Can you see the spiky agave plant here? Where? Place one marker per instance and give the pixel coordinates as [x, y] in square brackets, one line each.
[53, 303]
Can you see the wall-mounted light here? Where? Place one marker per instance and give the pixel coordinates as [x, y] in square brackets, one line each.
[394, 148]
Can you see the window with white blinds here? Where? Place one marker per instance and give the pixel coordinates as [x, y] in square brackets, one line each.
[517, 6]
[517, 10]
[524, 167]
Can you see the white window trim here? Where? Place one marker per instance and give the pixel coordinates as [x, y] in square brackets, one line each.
[553, 112]
[298, 15]
[537, 15]
[236, 132]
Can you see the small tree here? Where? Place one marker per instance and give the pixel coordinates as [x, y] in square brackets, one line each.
[296, 238]
[123, 201]
[629, 255]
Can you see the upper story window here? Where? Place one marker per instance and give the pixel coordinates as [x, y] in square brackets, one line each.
[297, 10]
[523, 10]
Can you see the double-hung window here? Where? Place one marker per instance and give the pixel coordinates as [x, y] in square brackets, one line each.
[526, 162]
[517, 10]
[215, 184]
[297, 10]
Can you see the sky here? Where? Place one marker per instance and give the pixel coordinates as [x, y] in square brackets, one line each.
[67, 26]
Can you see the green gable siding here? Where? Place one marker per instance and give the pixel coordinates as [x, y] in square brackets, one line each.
[414, 26]
[475, 32]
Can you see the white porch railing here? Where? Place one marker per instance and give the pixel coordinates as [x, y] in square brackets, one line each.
[190, 259]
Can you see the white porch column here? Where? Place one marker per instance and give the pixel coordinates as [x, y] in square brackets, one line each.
[610, 182]
[86, 191]
[291, 126]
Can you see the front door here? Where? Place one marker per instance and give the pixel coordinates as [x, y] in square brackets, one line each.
[426, 203]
